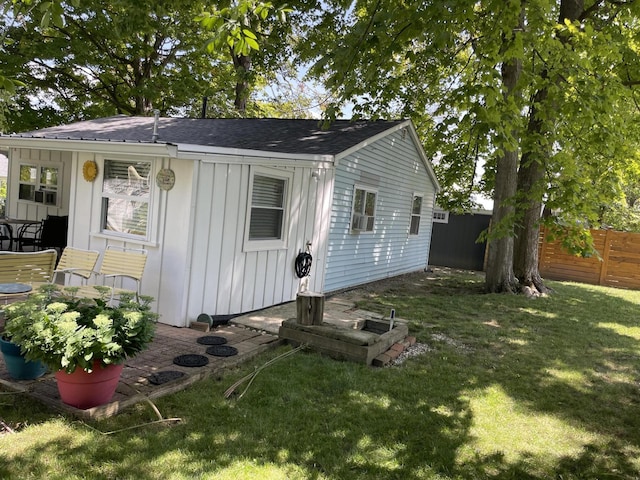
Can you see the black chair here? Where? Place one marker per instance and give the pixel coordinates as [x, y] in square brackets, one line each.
[6, 236]
[54, 233]
[50, 233]
[29, 236]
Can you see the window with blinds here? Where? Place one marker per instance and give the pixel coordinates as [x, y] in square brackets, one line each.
[267, 212]
[125, 197]
[267, 208]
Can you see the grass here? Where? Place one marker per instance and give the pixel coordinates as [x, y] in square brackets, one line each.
[510, 388]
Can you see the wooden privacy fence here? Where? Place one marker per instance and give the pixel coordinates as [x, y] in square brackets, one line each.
[619, 265]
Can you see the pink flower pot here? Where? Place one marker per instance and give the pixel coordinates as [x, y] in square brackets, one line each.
[84, 390]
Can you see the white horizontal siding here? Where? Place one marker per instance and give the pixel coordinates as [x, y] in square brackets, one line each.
[393, 167]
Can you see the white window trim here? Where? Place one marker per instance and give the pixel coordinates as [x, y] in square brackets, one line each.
[153, 218]
[278, 244]
[366, 189]
[38, 164]
[420, 215]
[440, 220]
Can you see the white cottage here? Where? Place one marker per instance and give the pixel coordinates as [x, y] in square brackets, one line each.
[224, 206]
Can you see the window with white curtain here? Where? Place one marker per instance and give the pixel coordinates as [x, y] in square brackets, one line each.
[126, 193]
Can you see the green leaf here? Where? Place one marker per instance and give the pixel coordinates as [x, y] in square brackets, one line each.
[252, 44]
[46, 18]
[249, 33]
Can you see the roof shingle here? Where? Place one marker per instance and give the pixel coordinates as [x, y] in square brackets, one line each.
[295, 136]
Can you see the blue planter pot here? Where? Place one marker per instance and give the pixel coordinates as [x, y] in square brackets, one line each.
[17, 366]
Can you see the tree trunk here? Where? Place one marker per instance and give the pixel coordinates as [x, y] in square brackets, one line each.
[243, 67]
[531, 178]
[143, 105]
[499, 272]
[529, 206]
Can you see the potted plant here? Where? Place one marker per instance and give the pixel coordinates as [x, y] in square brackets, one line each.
[85, 341]
[19, 368]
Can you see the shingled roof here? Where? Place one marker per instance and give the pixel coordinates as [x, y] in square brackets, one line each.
[293, 136]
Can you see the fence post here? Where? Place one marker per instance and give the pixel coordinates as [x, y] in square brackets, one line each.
[309, 308]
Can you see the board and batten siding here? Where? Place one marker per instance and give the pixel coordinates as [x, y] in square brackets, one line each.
[224, 278]
[30, 210]
[166, 268]
[393, 167]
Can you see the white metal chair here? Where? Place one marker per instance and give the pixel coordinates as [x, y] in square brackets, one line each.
[120, 266]
[78, 262]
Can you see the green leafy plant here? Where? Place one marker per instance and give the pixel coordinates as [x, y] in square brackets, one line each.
[66, 332]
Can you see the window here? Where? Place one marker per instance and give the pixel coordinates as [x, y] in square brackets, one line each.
[416, 212]
[364, 210]
[267, 212]
[126, 197]
[39, 183]
[440, 216]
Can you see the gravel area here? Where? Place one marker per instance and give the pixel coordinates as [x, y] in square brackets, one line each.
[413, 351]
[422, 348]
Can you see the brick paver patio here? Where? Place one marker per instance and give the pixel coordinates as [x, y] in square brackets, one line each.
[135, 385]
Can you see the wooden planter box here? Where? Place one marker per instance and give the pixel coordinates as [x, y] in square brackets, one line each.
[357, 345]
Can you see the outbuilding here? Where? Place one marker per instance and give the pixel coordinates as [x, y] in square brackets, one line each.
[224, 207]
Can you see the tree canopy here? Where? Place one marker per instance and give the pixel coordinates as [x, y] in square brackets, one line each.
[528, 101]
[110, 57]
[87, 59]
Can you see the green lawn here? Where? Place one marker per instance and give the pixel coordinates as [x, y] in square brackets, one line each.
[509, 388]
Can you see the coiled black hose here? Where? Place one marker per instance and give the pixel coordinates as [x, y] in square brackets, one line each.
[303, 264]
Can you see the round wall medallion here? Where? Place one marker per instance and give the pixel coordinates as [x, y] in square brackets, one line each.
[90, 170]
[166, 179]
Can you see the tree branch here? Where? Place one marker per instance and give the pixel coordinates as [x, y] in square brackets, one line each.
[100, 46]
[598, 4]
[588, 11]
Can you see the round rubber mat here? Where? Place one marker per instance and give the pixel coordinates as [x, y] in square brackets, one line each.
[211, 340]
[191, 360]
[222, 351]
[163, 377]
